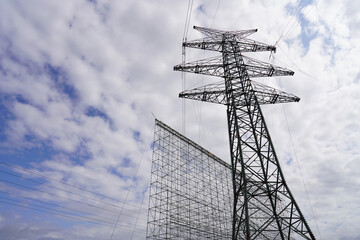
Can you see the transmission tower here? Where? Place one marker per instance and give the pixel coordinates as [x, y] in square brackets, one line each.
[263, 205]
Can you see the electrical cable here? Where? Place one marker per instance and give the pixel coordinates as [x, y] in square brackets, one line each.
[55, 214]
[80, 195]
[212, 23]
[56, 210]
[301, 175]
[53, 204]
[201, 135]
[300, 70]
[67, 216]
[187, 19]
[56, 195]
[292, 16]
[132, 183]
[183, 75]
[61, 189]
[137, 217]
[62, 182]
[301, 18]
[59, 206]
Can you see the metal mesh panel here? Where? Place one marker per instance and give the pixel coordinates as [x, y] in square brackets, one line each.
[190, 190]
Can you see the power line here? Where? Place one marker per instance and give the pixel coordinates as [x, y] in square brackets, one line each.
[56, 195]
[132, 183]
[62, 212]
[52, 212]
[217, 7]
[80, 188]
[19, 204]
[300, 70]
[59, 206]
[301, 175]
[137, 217]
[301, 18]
[52, 204]
[183, 76]
[187, 20]
[67, 191]
[291, 18]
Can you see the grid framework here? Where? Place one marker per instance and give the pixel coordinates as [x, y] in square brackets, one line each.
[190, 190]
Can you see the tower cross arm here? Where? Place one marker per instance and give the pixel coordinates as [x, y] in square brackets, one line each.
[215, 44]
[215, 67]
[210, 32]
[269, 95]
[215, 93]
[256, 68]
[211, 66]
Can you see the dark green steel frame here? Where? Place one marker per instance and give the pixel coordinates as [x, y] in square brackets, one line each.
[264, 207]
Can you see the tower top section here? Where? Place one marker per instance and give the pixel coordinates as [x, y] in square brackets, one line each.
[214, 33]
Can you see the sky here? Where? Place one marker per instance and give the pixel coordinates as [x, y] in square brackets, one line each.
[81, 82]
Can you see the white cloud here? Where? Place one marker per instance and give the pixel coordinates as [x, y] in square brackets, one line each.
[117, 57]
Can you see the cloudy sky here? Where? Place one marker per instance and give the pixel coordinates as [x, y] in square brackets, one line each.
[81, 80]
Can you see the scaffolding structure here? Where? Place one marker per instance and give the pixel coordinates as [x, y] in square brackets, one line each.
[190, 190]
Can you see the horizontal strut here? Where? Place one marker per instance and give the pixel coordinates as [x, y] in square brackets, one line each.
[215, 93]
[215, 44]
[215, 67]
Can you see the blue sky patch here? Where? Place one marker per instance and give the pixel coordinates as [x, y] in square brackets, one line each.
[5, 116]
[92, 111]
[126, 162]
[59, 76]
[136, 136]
[306, 34]
[95, 112]
[26, 157]
[288, 160]
[201, 8]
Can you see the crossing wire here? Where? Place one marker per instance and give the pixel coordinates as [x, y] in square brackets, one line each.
[301, 175]
[57, 195]
[56, 210]
[62, 182]
[137, 217]
[301, 18]
[77, 194]
[187, 20]
[64, 215]
[294, 13]
[53, 204]
[300, 70]
[217, 7]
[183, 76]
[132, 183]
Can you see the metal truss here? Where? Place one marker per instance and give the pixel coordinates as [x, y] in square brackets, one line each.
[214, 33]
[215, 93]
[190, 190]
[245, 45]
[216, 67]
[263, 205]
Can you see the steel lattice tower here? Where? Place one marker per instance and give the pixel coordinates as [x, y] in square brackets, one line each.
[263, 205]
